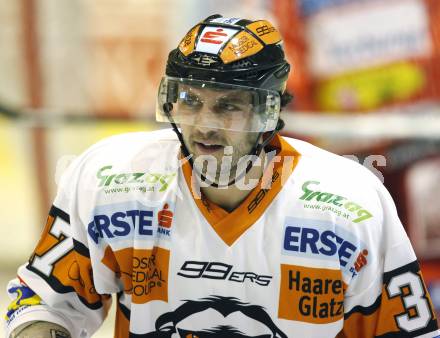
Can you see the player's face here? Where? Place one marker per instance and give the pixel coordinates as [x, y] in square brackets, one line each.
[216, 110]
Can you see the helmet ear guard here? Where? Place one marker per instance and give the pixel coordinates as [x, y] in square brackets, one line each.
[286, 98]
[172, 91]
[280, 124]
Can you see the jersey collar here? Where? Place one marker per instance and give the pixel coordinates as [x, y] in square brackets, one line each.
[229, 226]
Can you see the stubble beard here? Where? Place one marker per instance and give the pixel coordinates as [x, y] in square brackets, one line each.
[227, 166]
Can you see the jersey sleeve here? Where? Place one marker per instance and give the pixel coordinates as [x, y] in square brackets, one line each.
[396, 303]
[57, 283]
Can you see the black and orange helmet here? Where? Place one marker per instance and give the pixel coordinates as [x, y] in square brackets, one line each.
[231, 50]
[234, 55]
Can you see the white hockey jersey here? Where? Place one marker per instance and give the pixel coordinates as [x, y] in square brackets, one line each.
[316, 250]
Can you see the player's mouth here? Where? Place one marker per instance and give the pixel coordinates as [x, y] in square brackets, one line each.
[208, 148]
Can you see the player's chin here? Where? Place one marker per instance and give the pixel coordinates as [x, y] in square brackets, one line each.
[210, 173]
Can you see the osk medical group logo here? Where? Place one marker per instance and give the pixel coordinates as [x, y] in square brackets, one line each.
[143, 272]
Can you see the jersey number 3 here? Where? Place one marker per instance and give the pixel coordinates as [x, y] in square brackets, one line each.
[409, 287]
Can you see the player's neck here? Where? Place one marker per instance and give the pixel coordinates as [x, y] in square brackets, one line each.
[231, 197]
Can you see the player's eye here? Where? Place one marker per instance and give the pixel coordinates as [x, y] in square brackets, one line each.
[190, 101]
[227, 107]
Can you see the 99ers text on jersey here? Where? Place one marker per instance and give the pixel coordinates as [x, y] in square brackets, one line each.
[221, 271]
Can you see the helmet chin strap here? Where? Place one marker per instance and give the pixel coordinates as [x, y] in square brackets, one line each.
[256, 149]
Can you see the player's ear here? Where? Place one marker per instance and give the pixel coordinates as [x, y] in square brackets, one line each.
[286, 98]
[280, 124]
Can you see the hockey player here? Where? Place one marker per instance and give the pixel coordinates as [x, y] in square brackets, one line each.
[221, 227]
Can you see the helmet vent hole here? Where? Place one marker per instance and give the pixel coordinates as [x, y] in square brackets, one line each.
[241, 64]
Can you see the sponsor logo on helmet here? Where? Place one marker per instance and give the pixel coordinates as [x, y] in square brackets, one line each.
[204, 59]
[186, 46]
[265, 31]
[228, 21]
[212, 39]
[216, 37]
[240, 46]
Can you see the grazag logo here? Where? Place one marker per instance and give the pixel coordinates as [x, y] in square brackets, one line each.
[333, 199]
[151, 181]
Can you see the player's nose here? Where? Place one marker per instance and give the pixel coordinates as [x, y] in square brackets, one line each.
[207, 120]
[204, 133]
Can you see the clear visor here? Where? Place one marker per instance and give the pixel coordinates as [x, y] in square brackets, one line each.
[217, 105]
